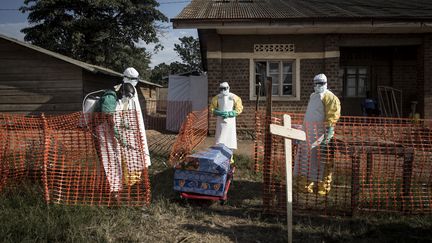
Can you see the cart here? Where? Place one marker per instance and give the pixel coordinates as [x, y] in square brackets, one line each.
[222, 199]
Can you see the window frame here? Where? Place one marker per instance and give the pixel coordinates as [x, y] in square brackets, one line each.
[357, 78]
[295, 78]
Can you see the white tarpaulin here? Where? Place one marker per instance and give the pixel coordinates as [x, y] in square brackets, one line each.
[185, 94]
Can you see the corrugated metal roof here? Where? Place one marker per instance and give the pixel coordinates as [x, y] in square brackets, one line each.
[89, 67]
[301, 9]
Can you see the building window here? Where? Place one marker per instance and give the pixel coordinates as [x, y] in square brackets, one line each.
[355, 81]
[282, 76]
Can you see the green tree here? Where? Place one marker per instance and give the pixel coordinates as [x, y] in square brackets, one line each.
[177, 68]
[189, 52]
[100, 32]
[159, 73]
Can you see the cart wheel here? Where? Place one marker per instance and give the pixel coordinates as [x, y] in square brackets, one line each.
[222, 202]
[183, 200]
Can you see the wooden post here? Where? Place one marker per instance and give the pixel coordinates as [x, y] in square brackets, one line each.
[288, 133]
[369, 168]
[355, 181]
[46, 147]
[257, 124]
[407, 170]
[267, 144]
[288, 177]
[258, 96]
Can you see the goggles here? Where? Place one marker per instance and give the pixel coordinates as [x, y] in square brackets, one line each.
[127, 93]
[223, 88]
[129, 77]
[319, 84]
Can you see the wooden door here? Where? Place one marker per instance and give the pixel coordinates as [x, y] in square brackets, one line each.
[356, 82]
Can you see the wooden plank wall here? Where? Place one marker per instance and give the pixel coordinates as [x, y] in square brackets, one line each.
[33, 82]
[147, 97]
[93, 82]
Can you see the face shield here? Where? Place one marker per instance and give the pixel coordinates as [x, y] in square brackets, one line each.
[133, 81]
[224, 88]
[320, 87]
[320, 83]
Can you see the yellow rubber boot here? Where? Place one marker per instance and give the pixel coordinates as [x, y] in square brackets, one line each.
[309, 187]
[303, 185]
[324, 186]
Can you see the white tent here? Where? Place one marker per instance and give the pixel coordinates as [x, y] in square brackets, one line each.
[186, 93]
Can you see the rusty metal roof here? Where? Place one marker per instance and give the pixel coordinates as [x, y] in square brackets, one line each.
[285, 10]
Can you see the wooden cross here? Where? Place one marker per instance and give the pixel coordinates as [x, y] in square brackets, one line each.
[288, 133]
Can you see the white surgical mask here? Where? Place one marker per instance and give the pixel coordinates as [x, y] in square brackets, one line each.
[320, 88]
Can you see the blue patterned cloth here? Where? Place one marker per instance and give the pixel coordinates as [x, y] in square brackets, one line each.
[199, 182]
[216, 159]
[209, 178]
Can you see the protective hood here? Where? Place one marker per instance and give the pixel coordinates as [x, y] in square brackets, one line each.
[131, 75]
[320, 83]
[320, 78]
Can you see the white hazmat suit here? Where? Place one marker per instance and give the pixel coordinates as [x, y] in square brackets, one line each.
[322, 113]
[226, 106]
[134, 104]
[123, 161]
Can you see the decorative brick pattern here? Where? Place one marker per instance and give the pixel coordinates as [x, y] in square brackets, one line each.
[269, 48]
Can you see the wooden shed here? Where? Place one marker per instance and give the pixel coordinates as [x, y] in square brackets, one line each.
[34, 80]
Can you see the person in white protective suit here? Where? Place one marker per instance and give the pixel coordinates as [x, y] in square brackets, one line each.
[226, 106]
[109, 139]
[135, 134]
[312, 168]
[122, 133]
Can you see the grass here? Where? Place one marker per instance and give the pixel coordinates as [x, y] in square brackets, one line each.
[24, 217]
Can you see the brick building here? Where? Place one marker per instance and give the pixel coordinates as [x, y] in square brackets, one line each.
[359, 45]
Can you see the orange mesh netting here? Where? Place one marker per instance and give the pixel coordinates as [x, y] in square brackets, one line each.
[192, 132]
[161, 125]
[91, 159]
[21, 153]
[163, 114]
[375, 164]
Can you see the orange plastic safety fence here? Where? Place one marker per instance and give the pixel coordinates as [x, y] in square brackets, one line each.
[161, 125]
[371, 164]
[193, 131]
[81, 159]
[21, 153]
